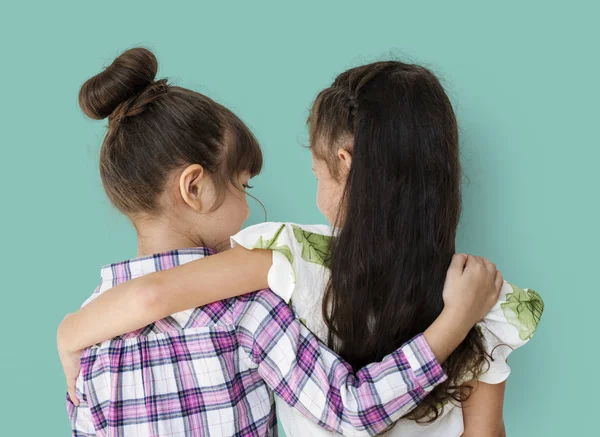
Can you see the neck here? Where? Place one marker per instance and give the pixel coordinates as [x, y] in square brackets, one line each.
[156, 236]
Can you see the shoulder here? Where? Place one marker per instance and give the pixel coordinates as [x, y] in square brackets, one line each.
[517, 314]
[307, 242]
[509, 325]
[266, 235]
[300, 254]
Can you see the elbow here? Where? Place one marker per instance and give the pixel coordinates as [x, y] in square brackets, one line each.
[502, 431]
[62, 337]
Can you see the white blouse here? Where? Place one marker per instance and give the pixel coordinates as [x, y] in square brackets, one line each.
[299, 276]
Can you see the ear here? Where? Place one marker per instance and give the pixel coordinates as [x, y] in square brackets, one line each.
[191, 184]
[346, 158]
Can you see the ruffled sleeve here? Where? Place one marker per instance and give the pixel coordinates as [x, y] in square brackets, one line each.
[299, 254]
[509, 325]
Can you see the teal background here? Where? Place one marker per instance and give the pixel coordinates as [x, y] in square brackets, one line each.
[523, 77]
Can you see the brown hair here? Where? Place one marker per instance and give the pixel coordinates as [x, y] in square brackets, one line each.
[155, 128]
[388, 264]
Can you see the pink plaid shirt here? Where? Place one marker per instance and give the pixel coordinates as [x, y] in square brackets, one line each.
[212, 371]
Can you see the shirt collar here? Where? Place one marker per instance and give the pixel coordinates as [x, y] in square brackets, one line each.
[117, 273]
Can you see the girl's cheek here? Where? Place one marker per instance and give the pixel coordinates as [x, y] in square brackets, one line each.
[246, 211]
[236, 214]
[242, 210]
[324, 202]
[320, 198]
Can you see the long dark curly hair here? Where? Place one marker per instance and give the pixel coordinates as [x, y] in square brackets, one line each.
[398, 216]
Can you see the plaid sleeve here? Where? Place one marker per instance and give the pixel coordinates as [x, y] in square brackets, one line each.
[313, 379]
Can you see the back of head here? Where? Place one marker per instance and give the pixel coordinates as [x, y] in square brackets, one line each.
[155, 128]
[403, 193]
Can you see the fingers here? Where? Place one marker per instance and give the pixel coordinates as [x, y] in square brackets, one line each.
[481, 262]
[461, 262]
[490, 266]
[72, 391]
[474, 264]
[499, 281]
[457, 265]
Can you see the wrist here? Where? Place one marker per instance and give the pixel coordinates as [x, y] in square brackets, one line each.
[461, 319]
[446, 333]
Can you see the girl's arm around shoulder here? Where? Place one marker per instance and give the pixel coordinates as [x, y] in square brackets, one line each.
[157, 295]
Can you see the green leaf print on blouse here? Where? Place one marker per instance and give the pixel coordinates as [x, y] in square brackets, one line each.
[271, 245]
[315, 247]
[523, 309]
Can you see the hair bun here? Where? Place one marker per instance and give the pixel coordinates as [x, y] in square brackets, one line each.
[127, 76]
